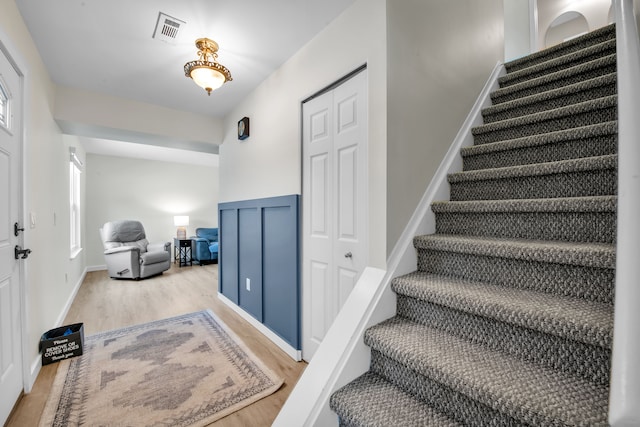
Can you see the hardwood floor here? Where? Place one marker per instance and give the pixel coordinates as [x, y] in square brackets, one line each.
[103, 304]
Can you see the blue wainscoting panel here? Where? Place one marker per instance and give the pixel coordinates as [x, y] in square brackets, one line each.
[281, 298]
[249, 265]
[228, 244]
[265, 249]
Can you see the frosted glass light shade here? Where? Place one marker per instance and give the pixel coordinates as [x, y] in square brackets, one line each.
[181, 220]
[207, 78]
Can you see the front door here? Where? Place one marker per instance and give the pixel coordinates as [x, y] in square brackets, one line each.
[11, 383]
[334, 196]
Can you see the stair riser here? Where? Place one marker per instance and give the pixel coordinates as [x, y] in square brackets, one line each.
[587, 361]
[570, 149]
[500, 97]
[595, 284]
[512, 79]
[600, 182]
[550, 104]
[599, 226]
[569, 121]
[444, 399]
[590, 40]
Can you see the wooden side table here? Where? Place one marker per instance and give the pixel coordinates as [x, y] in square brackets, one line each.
[182, 251]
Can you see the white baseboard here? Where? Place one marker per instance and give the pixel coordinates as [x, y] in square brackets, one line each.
[34, 370]
[36, 364]
[72, 296]
[96, 268]
[284, 346]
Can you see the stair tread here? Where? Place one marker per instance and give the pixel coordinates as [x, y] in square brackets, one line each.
[372, 400]
[506, 384]
[573, 318]
[559, 61]
[558, 75]
[599, 129]
[608, 29]
[597, 255]
[562, 166]
[562, 204]
[570, 110]
[582, 86]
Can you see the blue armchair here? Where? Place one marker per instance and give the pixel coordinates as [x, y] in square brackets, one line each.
[204, 245]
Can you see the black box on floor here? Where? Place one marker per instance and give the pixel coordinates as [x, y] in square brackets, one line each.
[61, 343]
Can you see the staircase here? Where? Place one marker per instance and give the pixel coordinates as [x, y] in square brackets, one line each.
[508, 319]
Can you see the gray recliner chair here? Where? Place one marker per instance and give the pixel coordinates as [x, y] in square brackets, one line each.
[128, 253]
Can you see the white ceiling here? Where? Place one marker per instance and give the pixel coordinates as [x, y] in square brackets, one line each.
[107, 46]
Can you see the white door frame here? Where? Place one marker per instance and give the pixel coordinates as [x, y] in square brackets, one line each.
[12, 53]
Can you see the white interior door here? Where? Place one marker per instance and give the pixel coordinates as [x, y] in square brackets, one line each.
[11, 382]
[334, 205]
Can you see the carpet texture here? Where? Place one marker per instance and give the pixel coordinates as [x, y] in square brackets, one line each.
[508, 319]
[188, 370]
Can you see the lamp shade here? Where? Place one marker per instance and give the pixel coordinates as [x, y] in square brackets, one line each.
[181, 220]
[207, 78]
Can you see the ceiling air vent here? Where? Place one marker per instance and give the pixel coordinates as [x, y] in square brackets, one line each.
[167, 28]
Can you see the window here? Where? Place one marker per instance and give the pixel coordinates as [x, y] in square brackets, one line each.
[75, 168]
[4, 106]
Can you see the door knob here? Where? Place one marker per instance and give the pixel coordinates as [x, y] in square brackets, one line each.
[20, 253]
[348, 255]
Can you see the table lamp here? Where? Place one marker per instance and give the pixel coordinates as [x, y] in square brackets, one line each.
[181, 221]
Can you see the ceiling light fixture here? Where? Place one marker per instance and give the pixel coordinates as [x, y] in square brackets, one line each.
[207, 73]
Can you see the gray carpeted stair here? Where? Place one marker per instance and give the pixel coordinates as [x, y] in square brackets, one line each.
[588, 141]
[508, 319]
[593, 38]
[547, 219]
[406, 409]
[564, 62]
[589, 70]
[583, 114]
[589, 176]
[580, 270]
[578, 92]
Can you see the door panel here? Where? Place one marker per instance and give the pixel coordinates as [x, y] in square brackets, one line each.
[347, 113]
[347, 191]
[319, 286]
[318, 195]
[6, 352]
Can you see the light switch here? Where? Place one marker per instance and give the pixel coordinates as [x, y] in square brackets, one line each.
[248, 284]
[32, 219]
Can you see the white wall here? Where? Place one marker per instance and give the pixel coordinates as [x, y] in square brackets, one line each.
[440, 54]
[149, 191]
[596, 13]
[268, 163]
[50, 276]
[566, 30]
[518, 39]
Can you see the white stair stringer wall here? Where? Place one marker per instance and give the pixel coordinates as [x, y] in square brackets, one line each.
[343, 356]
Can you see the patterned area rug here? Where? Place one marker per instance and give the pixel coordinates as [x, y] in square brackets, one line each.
[188, 370]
